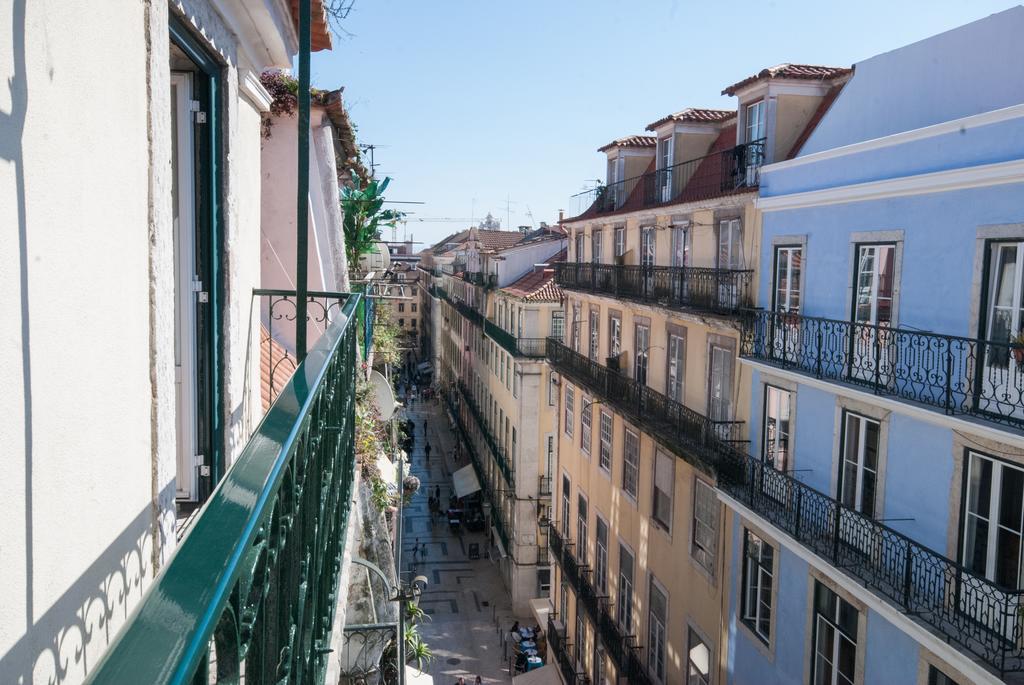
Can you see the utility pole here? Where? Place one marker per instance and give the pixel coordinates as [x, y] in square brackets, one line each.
[302, 185]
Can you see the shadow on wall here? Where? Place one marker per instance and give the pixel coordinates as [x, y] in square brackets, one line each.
[65, 643]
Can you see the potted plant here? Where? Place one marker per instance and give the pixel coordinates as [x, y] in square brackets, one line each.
[1017, 347]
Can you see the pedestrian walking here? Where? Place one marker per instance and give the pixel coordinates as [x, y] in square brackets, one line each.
[437, 493]
[415, 549]
[424, 426]
[426, 451]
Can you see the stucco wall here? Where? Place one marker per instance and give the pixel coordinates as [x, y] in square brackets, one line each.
[944, 77]
[77, 523]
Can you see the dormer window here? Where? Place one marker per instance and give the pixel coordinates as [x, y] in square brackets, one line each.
[754, 120]
[665, 168]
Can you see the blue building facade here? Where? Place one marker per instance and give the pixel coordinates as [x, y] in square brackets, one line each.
[885, 542]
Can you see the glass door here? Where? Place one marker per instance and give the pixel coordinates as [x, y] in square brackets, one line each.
[647, 256]
[993, 542]
[183, 195]
[665, 174]
[1003, 372]
[720, 390]
[858, 479]
[680, 259]
[786, 342]
[872, 314]
[641, 345]
[676, 371]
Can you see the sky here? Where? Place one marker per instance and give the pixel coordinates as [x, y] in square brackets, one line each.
[480, 106]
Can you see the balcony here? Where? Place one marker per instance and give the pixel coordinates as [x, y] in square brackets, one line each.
[504, 463]
[716, 291]
[968, 610]
[713, 175]
[252, 588]
[481, 474]
[681, 430]
[517, 347]
[481, 279]
[560, 646]
[958, 376]
[619, 647]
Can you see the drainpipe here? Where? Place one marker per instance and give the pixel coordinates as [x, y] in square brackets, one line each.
[302, 184]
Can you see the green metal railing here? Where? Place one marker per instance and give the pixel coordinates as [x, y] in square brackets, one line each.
[253, 586]
[481, 474]
[504, 463]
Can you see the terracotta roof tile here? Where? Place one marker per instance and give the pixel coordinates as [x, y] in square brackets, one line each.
[499, 240]
[695, 115]
[320, 29]
[806, 72]
[538, 285]
[630, 141]
[276, 364]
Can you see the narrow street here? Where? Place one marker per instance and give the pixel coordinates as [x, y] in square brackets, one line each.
[465, 599]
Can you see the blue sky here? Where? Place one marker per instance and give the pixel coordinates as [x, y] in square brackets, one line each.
[476, 102]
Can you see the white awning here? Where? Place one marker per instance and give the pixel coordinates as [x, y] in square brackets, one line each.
[545, 675]
[541, 608]
[497, 543]
[465, 481]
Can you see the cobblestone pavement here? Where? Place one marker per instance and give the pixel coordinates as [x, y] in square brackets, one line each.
[465, 599]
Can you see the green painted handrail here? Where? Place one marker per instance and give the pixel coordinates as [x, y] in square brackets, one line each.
[255, 580]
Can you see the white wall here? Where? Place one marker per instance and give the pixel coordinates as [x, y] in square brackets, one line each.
[86, 350]
[518, 261]
[971, 69]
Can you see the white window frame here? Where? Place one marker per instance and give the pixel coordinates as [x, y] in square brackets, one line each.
[606, 439]
[697, 673]
[754, 121]
[858, 423]
[993, 518]
[676, 376]
[624, 599]
[631, 467]
[620, 241]
[665, 465]
[594, 326]
[758, 581]
[775, 441]
[586, 424]
[786, 298]
[570, 401]
[730, 244]
[821, 647]
[704, 537]
[872, 253]
[657, 633]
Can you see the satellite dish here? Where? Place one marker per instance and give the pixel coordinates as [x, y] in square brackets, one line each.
[383, 396]
[377, 259]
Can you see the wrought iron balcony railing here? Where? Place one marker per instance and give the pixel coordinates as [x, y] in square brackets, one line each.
[619, 647]
[681, 430]
[971, 611]
[481, 279]
[955, 375]
[561, 647]
[252, 588]
[518, 347]
[702, 178]
[497, 518]
[505, 464]
[719, 291]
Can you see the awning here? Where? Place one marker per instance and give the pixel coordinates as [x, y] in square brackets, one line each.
[465, 481]
[545, 675]
[414, 676]
[541, 608]
[497, 543]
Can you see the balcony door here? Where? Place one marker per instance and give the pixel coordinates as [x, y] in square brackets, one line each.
[648, 242]
[641, 348]
[873, 285]
[720, 402]
[785, 340]
[993, 542]
[730, 256]
[195, 117]
[665, 169]
[676, 366]
[1003, 372]
[858, 479]
[186, 278]
[680, 258]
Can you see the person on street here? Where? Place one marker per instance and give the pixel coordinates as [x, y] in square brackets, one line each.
[426, 450]
[437, 493]
[424, 426]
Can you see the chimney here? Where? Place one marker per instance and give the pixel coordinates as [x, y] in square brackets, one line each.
[561, 215]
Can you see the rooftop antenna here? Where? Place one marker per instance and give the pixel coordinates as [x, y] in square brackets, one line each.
[370, 147]
[530, 214]
[508, 210]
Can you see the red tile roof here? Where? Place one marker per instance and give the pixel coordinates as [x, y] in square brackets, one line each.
[320, 29]
[706, 181]
[538, 285]
[499, 240]
[805, 72]
[276, 364]
[630, 141]
[695, 115]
